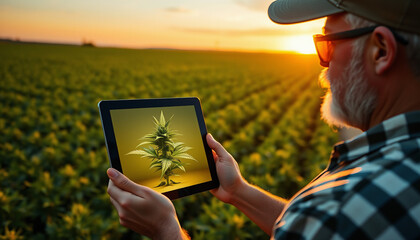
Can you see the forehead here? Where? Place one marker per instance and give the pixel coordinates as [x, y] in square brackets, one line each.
[336, 23]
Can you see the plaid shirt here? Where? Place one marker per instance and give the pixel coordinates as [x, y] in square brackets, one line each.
[370, 190]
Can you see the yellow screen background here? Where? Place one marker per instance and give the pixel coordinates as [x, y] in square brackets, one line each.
[130, 125]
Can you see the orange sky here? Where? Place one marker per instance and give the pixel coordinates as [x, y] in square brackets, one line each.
[187, 24]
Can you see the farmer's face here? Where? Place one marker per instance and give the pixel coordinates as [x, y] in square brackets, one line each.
[349, 99]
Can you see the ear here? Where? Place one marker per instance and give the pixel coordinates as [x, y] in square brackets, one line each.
[384, 50]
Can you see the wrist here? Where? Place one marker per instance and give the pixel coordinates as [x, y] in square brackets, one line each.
[171, 230]
[238, 193]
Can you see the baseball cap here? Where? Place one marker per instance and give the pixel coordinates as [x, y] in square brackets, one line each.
[398, 14]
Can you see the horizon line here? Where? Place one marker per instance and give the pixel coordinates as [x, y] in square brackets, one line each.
[87, 43]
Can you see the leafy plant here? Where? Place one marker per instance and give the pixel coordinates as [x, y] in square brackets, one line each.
[165, 154]
[50, 165]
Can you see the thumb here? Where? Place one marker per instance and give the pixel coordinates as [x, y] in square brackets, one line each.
[217, 147]
[123, 182]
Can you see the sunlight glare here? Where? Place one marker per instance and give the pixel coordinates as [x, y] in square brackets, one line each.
[302, 44]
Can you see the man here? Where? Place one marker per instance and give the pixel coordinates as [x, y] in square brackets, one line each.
[371, 188]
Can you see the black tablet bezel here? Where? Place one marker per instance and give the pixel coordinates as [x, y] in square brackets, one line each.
[104, 110]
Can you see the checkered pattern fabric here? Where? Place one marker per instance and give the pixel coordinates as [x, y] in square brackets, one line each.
[370, 190]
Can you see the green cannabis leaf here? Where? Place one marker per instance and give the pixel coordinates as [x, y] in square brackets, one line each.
[165, 154]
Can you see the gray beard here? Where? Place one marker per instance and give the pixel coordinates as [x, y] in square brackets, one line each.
[349, 101]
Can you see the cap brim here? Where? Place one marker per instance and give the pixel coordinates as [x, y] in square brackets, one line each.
[295, 11]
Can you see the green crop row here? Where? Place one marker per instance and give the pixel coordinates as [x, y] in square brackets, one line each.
[293, 151]
[263, 107]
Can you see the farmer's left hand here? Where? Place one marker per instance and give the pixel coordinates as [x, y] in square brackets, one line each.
[142, 209]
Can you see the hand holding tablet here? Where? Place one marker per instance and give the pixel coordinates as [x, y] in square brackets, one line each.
[160, 143]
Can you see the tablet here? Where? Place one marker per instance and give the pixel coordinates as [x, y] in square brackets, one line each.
[160, 143]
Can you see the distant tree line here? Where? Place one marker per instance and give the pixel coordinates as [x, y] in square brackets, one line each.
[87, 43]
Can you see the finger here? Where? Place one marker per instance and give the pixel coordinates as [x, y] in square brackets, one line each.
[117, 193]
[128, 209]
[124, 183]
[217, 147]
[115, 203]
[128, 220]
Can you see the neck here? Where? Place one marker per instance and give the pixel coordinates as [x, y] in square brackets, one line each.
[397, 96]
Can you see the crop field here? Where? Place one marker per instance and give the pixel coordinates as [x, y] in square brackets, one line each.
[264, 108]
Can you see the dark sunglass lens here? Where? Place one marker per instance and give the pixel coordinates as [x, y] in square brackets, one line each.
[323, 49]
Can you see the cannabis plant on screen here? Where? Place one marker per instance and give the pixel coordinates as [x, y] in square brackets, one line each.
[165, 154]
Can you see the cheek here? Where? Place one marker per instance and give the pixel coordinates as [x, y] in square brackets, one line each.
[340, 59]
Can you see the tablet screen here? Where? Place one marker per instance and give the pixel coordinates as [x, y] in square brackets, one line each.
[161, 147]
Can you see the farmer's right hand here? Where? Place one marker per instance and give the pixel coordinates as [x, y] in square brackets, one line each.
[228, 172]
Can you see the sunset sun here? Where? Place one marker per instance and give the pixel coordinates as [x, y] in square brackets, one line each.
[302, 44]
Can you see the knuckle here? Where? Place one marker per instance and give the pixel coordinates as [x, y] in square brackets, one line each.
[122, 216]
[126, 203]
[147, 193]
[124, 182]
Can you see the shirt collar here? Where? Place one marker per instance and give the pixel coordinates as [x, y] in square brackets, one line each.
[398, 128]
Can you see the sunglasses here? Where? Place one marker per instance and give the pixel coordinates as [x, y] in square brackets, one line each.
[323, 43]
